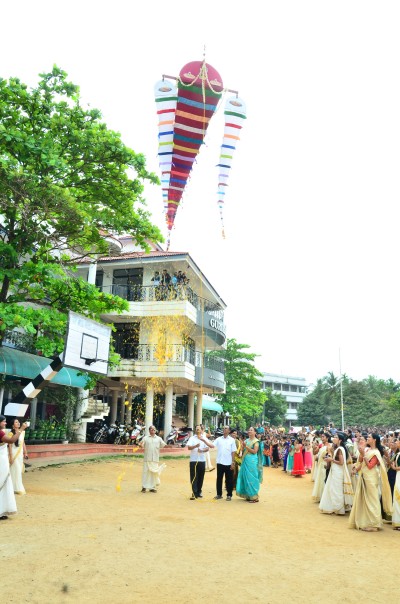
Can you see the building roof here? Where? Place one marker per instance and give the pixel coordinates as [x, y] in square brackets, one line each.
[17, 363]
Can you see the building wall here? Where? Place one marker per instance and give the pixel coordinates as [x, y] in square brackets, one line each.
[293, 389]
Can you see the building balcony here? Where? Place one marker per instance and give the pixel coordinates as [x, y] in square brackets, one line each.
[179, 300]
[173, 361]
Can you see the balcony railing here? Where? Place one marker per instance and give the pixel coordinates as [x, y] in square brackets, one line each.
[20, 341]
[164, 293]
[172, 353]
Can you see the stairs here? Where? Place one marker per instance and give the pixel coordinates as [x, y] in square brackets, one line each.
[95, 410]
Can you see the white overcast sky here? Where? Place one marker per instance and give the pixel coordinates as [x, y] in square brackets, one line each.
[310, 263]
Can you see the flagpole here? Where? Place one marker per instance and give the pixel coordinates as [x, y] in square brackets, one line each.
[341, 391]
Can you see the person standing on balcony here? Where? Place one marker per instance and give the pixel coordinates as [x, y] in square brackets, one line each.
[165, 283]
[151, 458]
[156, 282]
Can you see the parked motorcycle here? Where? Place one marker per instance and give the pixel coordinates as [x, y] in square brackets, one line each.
[178, 437]
[101, 435]
[137, 434]
[123, 435]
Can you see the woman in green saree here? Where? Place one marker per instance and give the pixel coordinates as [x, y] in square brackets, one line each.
[251, 470]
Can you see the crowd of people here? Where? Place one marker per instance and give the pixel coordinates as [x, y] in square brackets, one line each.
[355, 472]
[169, 286]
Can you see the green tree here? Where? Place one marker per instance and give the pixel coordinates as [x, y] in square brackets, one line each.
[369, 402]
[65, 181]
[274, 408]
[244, 397]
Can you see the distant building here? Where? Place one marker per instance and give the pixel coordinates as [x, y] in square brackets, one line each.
[293, 389]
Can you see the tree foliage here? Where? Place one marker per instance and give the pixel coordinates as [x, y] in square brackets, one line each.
[275, 407]
[66, 180]
[244, 397]
[369, 402]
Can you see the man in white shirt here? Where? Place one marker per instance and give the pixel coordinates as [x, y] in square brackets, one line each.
[198, 446]
[151, 458]
[226, 449]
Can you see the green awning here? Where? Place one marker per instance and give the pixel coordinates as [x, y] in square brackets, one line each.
[212, 406]
[22, 364]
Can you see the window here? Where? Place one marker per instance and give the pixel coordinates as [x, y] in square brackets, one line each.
[126, 339]
[127, 283]
[277, 386]
[293, 388]
[99, 279]
[285, 387]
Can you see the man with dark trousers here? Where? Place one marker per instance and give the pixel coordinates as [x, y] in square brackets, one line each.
[226, 449]
[198, 446]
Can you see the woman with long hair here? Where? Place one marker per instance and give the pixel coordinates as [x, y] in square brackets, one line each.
[17, 453]
[372, 486]
[251, 470]
[320, 472]
[396, 491]
[298, 462]
[337, 496]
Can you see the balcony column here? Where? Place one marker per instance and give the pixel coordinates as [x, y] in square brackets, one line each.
[92, 273]
[121, 414]
[199, 409]
[191, 410]
[169, 390]
[149, 406]
[128, 414]
[32, 412]
[80, 431]
[114, 406]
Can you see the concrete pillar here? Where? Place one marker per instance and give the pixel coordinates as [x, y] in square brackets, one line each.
[92, 273]
[1, 399]
[199, 409]
[149, 407]
[128, 413]
[80, 432]
[191, 410]
[33, 409]
[169, 390]
[114, 406]
[121, 414]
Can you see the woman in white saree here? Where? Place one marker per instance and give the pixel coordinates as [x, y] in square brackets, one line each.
[320, 472]
[17, 453]
[8, 505]
[337, 497]
[396, 492]
[373, 484]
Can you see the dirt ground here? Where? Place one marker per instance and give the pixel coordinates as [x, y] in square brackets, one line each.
[85, 533]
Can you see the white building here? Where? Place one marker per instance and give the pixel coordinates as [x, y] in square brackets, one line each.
[293, 389]
[165, 337]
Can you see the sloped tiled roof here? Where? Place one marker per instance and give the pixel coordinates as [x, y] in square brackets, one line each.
[152, 254]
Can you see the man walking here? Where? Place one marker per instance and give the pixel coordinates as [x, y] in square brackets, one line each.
[226, 450]
[198, 446]
[151, 468]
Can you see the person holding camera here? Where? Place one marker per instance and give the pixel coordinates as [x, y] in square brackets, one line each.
[8, 504]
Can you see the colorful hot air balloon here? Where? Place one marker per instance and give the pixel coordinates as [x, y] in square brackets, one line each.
[199, 90]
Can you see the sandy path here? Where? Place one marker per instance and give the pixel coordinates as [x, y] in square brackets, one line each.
[77, 538]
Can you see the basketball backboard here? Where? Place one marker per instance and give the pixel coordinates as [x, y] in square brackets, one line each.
[87, 344]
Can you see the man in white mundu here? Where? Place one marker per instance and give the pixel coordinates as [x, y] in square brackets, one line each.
[151, 467]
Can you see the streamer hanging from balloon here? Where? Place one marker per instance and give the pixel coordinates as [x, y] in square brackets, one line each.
[235, 114]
